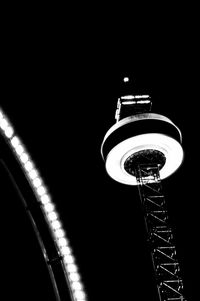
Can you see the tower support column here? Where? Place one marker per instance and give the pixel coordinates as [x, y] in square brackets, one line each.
[160, 235]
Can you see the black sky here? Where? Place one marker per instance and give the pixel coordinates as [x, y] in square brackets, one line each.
[59, 90]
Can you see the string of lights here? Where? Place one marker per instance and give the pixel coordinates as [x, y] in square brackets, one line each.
[48, 207]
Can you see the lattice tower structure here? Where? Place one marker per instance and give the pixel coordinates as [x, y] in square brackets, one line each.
[141, 149]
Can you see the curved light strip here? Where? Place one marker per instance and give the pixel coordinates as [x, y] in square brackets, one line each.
[171, 149]
[48, 207]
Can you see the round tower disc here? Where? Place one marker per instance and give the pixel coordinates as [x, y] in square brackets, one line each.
[142, 133]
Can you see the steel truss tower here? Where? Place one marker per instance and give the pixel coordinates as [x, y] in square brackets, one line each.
[160, 234]
[142, 148]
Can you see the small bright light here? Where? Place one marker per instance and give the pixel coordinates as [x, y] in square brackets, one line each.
[80, 295]
[56, 225]
[9, 132]
[126, 79]
[126, 97]
[3, 123]
[41, 190]
[24, 157]
[65, 250]
[131, 102]
[37, 182]
[59, 233]
[45, 199]
[52, 216]
[72, 268]
[33, 174]
[49, 207]
[74, 276]
[1, 115]
[28, 165]
[15, 141]
[68, 259]
[19, 149]
[76, 285]
[62, 242]
[142, 96]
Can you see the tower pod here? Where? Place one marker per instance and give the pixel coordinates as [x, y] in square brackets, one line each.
[140, 139]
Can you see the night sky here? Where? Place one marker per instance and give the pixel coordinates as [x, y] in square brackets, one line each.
[60, 93]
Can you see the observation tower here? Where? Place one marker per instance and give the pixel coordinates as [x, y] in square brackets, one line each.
[141, 149]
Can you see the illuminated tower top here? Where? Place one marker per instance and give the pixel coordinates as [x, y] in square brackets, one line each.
[140, 137]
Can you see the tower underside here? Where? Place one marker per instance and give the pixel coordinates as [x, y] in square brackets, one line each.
[151, 134]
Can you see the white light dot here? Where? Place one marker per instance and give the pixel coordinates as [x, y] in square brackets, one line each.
[3, 123]
[76, 285]
[62, 242]
[65, 250]
[80, 295]
[28, 165]
[72, 268]
[126, 79]
[9, 132]
[24, 158]
[59, 233]
[52, 216]
[74, 276]
[15, 141]
[56, 225]
[49, 207]
[33, 174]
[19, 149]
[41, 190]
[68, 259]
[1, 115]
[45, 199]
[37, 182]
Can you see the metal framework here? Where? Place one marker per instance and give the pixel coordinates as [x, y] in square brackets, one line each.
[160, 235]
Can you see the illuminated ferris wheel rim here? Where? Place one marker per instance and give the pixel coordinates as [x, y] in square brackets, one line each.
[48, 207]
[137, 133]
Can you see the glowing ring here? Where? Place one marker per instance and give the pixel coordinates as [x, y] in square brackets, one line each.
[168, 146]
[117, 154]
